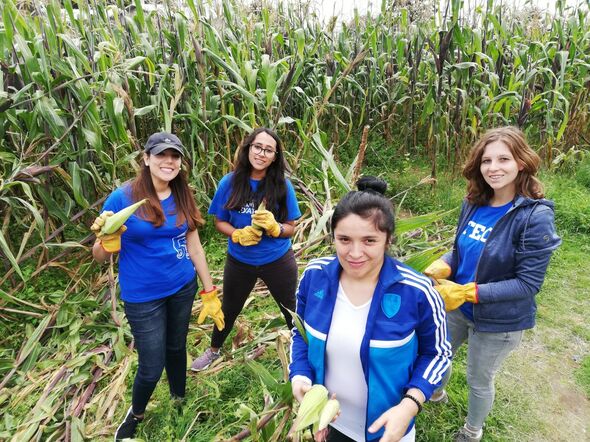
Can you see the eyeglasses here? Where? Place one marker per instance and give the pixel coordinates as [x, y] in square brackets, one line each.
[260, 149]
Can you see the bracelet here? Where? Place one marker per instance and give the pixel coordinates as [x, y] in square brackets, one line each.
[282, 228]
[203, 292]
[416, 401]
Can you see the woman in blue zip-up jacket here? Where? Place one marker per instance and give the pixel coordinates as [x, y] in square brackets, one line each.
[505, 237]
[375, 330]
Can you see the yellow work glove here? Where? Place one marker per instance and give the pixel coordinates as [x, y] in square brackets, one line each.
[266, 220]
[438, 269]
[248, 236]
[455, 294]
[212, 308]
[111, 243]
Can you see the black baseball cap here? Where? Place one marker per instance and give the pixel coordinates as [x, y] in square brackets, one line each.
[161, 141]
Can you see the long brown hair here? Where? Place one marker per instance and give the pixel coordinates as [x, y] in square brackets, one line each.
[527, 184]
[272, 188]
[184, 198]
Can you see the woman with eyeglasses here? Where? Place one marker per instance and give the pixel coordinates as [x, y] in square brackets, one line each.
[259, 239]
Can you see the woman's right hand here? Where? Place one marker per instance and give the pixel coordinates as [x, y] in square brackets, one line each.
[299, 387]
[248, 236]
[110, 243]
[438, 269]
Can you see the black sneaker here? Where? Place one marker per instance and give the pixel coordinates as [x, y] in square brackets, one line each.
[127, 428]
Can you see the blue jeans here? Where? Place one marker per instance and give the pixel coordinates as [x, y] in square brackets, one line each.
[159, 329]
[485, 354]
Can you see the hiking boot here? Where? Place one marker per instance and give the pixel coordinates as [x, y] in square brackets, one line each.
[205, 360]
[440, 397]
[127, 428]
[466, 434]
[177, 403]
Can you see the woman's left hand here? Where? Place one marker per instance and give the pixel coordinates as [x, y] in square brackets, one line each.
[266, 220]
[321, 435]
[455, 295]
[211, 307]
[396, 421]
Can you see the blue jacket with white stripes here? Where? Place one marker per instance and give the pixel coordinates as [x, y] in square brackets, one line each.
[405, 343]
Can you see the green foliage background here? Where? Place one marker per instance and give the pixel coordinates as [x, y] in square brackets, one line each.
[402, 94]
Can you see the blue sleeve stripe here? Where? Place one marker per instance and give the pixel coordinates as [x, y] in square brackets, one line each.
[315, 333]
[317, 264]
[406, 271]
[437, 367]
[324, 260]
[375, 343]
[426, 287]
[442, 364]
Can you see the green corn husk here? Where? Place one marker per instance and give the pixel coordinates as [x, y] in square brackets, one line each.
[115, 221]
[299, 324]
[312, 404]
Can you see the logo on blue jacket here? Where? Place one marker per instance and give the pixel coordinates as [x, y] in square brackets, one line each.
[390, 304]
[319, 294]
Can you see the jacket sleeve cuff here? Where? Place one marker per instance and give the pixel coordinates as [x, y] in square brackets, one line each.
[426, 388]
[302, 378]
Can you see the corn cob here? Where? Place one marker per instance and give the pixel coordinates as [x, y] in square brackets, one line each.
[262, 206]
[328, 413]
[312, 404]
[115, 221]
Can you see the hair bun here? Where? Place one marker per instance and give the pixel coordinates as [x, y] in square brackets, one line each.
[371, 184]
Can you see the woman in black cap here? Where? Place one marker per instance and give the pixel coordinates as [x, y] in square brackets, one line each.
[158, 256]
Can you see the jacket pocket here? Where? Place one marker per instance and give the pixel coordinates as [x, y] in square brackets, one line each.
[508, 312]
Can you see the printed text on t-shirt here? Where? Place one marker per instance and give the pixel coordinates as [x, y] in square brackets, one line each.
[477, 231]
[179, 244]
[248, 208]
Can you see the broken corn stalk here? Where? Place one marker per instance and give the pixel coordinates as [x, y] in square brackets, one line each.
[115, 221]
[312, 404]
[328, 413]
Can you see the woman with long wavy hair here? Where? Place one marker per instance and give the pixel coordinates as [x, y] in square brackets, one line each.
[505, 237]
[259, 235]
[159, 253]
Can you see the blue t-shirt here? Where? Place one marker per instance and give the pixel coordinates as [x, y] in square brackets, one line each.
[471, 243]
[269, 249]
[153, 261]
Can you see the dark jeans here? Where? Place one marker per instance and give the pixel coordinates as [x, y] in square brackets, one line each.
[336, 436]
[159, 328]
[280, 277]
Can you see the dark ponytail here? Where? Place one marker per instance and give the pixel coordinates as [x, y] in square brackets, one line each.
[368, 202]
